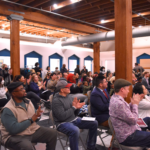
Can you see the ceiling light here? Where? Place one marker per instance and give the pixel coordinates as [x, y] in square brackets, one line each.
[3, 25]
[102, 21]
[48, 33]
[73, 0]
[140, 26]
[139, 14]
[55, 5]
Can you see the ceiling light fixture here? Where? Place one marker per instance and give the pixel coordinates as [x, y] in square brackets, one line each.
[140, 26]
[102, 21]
[139, 14]
[48, 33]
[55, 5]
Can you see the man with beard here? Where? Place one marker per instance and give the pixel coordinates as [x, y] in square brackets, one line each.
[19, 128]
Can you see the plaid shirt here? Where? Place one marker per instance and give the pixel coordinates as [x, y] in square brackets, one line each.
[124, 117]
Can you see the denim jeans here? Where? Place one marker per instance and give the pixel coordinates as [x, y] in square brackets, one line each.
[72, 130]
[139, 138]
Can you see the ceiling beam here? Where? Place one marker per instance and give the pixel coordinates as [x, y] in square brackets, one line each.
[46, 18]
[38, 3]
[25, 2]
[133, 16]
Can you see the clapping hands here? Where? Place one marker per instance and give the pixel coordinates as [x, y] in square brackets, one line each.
[76, 103]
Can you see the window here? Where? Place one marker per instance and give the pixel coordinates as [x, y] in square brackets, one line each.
[5, 57]
[54, 63]
[110, 65]
[72, 64]
[88, 63]
[31, 58]
[73, 61]
[31, 62]
[55, 60]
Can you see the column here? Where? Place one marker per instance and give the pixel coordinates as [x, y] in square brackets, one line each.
[15, 43]
[123, 41]
[96, 48]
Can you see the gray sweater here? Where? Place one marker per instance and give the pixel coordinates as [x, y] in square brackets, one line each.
[62, 108]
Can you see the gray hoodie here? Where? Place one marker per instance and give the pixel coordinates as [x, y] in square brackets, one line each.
[62, 108]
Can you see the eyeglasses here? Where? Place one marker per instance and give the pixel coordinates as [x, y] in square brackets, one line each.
[22, 89]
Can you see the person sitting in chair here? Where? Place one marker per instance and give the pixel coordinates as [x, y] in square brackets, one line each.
[100, 101]
[63, 108]
[124, 116]
[19, 128]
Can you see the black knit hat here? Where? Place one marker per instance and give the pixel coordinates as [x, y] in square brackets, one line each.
[12, 86]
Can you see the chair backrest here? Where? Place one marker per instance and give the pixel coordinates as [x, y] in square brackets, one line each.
[51, 98]
[89, 110]
[52, 119]
[122, 147]
[89, 95]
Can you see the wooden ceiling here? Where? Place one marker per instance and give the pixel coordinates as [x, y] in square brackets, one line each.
[98, 12]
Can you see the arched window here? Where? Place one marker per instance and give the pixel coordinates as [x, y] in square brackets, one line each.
[5, 57]
[31, 58]
[73, 61]
[88, 63]
[55, 60]
[144, 61]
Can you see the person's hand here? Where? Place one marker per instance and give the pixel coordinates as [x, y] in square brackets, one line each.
[6, 90]
[79, 84]
[74, 103]
[90, 83]
[37, 114]
[44, 83]
[136, 99]
[79, 105]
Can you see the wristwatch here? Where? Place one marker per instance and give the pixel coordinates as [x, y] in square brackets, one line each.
[30, 119]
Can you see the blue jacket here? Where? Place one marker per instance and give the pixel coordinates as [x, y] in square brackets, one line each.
[99, 105]
[34, 88]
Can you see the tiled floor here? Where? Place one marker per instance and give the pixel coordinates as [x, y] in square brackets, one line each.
[44, 121]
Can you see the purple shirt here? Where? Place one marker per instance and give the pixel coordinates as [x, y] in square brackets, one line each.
[123, 116]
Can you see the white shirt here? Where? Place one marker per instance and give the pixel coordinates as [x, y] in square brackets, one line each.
[2, 93]
[144, 107]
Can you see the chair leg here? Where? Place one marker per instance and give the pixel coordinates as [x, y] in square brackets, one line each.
[112, 144]
[61, 142]
[82, 143]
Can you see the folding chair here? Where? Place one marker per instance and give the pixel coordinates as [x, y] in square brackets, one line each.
[121, 147]
[100, 128]
[62, 135]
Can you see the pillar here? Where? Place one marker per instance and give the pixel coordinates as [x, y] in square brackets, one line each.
[96, 55]
[15, 43]
[123, 41]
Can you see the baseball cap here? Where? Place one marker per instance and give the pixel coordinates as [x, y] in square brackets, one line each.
[62, 84]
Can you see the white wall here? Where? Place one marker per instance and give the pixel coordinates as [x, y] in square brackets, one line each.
[46, 50]
[140, 46]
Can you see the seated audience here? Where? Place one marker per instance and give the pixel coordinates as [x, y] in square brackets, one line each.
[100, 101]
[34, 85]
[45, 72]
[89, 74]
[77, 70]
[46, 79]
[86, 87]
[144, 105]
[63, 107]
[35, 99]
[52, 82]
[94, 78]
[39, 76]
[124, 117]
[56, 70]
[7, 75]
[64, 76]
[134, 79]
[71, 78]
[19, 128]
[63, 69]
[145, 80]
[84, 70]
[137, 73]
[4, 96]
